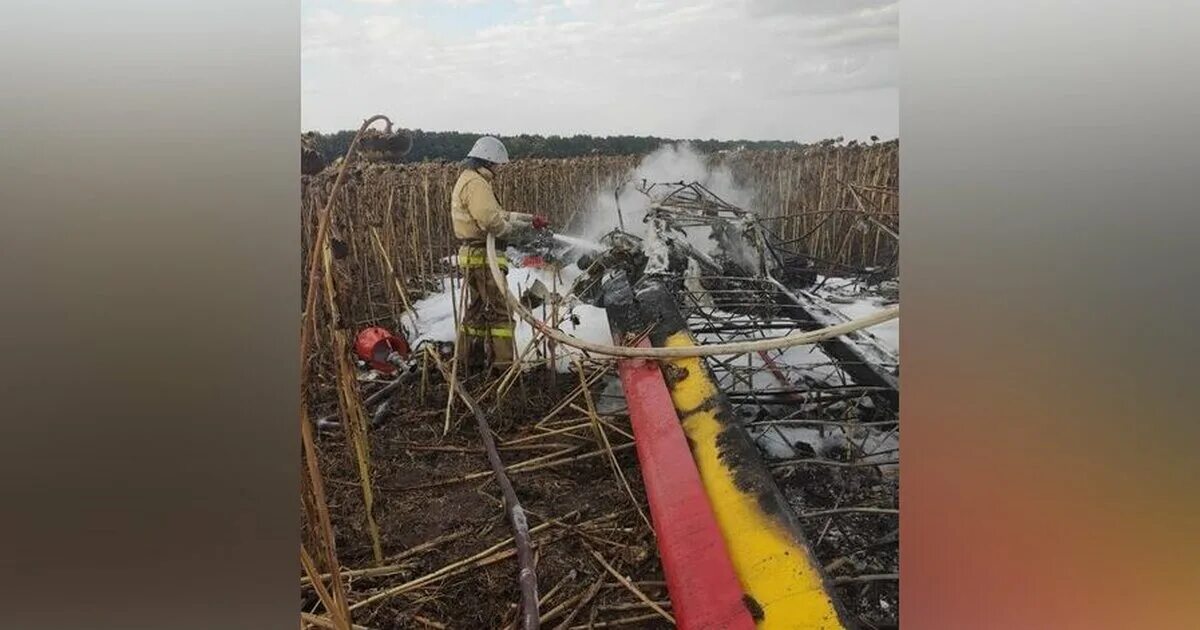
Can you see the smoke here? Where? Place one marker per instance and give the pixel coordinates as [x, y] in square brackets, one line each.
[679, 162]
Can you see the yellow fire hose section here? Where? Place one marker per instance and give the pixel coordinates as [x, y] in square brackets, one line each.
[774, 568]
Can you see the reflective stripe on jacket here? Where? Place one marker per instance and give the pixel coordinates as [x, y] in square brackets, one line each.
[499, 330]
[470, 256]
[474, 210]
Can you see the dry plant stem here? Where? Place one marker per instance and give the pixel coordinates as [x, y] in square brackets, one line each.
[603, 421]
[630, 587]
[850, 510]
[446, 572]
[533, 461]
[307, 326]
[395, 567]
[867, 214]
[829, 521]
[456, 276]
[492, 554]
[514, 370]
[527, 578]
[572, 396]
[628, 621]
[354, 424]
[428, 221]
[700, 350]
[458, 339]
[529, 438]
[568, 460]
[550, 347]
[412, 551]
[836, 564]
[538, 447]
[569, 577]
[424, 375]
[881, 577]
[467, 449]
[558, 610]
[341, 611]
[615, 428]
[659, 584]
[387, 262]
[637, 606]
[319, 242]
[602, 442]
[800, 423]
[317, 620]
[588, 596]
[428, 623]
[787, 463]
[578, 530]
[383, 571]
[327, 600]
[563, 423]
[518, 467]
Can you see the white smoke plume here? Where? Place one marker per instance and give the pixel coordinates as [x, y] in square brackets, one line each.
[679, 162]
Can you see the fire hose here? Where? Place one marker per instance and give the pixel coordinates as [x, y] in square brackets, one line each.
[700, 350]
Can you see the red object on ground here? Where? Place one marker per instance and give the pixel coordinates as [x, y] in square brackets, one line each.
[537, 262]
[374, 344]
[705, 592]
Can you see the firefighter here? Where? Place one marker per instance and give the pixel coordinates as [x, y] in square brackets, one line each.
[485, 336]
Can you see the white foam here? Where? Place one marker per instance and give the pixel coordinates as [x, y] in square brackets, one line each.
[434, 315]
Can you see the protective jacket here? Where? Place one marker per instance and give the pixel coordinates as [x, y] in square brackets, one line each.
[474, 209]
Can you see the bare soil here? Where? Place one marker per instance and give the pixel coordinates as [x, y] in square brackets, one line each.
[595, 510]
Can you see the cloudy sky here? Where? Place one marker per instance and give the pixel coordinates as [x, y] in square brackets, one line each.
[725, 69]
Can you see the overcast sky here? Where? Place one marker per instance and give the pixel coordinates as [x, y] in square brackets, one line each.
[725, 69]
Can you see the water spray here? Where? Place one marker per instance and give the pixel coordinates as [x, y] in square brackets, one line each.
[573, 242]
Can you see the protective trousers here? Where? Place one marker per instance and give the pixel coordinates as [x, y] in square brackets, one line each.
[485, 338]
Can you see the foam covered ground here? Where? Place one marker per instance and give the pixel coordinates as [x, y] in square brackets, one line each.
[434, 317]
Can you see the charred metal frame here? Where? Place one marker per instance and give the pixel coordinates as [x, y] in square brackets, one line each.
[757, 274]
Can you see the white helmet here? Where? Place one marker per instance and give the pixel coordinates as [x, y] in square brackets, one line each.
[489, 149]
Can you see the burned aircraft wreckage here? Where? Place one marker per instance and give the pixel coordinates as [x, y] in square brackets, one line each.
[779, 436]
[730, 278]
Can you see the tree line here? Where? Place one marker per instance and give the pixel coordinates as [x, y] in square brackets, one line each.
[454, 145]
